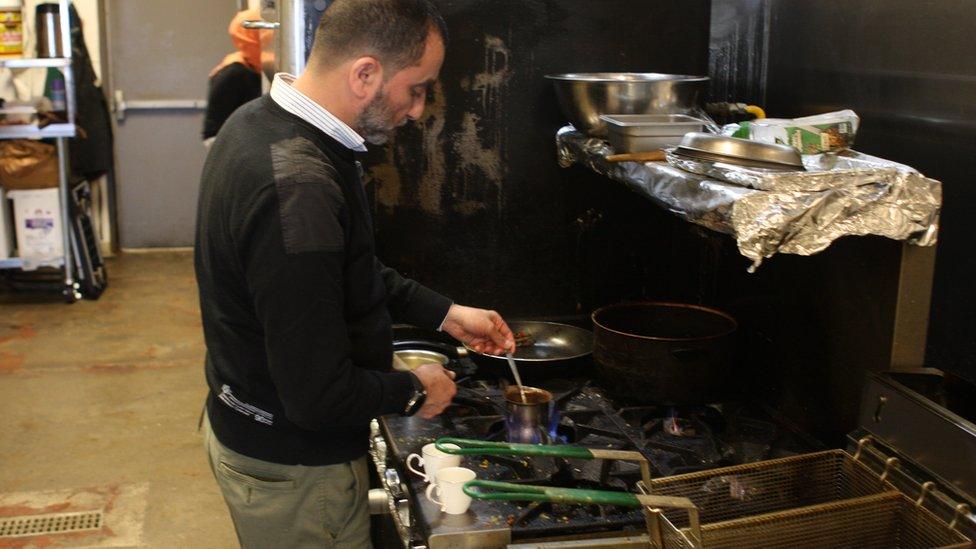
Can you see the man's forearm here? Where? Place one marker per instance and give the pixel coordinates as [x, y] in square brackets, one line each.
[412, 302]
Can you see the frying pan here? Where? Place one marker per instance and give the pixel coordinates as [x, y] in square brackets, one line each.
[540, 347]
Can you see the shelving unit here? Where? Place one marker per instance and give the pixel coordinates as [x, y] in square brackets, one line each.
[48, 132]
[35, 63]
[60, 133]
[18, 263]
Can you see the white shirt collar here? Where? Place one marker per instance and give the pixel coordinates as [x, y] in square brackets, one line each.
[287, 97]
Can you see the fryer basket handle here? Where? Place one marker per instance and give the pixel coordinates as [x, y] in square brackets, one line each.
[487, 447]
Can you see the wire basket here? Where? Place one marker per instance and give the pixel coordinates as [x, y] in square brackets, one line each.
[769, 486]
[886, 520]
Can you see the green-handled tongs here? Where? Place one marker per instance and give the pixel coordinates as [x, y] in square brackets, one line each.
[492, 490]
[488, 448]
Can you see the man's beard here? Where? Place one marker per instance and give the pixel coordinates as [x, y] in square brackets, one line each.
[375, 123]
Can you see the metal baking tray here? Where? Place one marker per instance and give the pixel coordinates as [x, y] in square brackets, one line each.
[648, 132]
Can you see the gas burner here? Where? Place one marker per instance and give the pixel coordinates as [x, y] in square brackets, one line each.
[674, 441]
[695, 422]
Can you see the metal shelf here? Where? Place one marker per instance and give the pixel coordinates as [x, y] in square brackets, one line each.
[60, 132]
[11, 263]
[18, 263]
[33, 132]
[34, 63]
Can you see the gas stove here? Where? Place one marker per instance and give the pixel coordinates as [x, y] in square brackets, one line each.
[673, 440]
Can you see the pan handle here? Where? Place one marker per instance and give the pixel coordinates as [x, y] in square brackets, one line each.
[451, 350]
[510, 491]
[489, 448]
[527, 492]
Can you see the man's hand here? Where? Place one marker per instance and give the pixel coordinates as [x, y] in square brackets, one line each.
[481, 329]
[439, 384]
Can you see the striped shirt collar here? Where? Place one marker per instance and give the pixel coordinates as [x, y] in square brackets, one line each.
[287, 97]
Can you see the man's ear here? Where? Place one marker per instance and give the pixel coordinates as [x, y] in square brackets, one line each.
[365, 78]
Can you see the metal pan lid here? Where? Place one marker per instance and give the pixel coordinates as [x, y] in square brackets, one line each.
[700, 156]
[718, 148]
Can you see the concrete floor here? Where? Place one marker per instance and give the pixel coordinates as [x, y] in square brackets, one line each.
[101, 398]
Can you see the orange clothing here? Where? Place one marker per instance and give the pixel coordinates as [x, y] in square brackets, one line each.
[247, 42]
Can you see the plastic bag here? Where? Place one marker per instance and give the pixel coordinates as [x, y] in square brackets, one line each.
[27, 164]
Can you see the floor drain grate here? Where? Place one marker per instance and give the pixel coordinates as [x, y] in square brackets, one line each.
[57, 523]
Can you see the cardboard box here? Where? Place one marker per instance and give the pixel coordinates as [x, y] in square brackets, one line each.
[37, 222]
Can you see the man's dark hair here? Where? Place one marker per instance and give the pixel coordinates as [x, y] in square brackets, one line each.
[393, 31]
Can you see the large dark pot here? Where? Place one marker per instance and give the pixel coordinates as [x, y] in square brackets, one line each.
[664, 353]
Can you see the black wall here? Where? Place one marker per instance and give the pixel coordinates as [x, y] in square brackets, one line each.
[908, 67]
[737, 59]
[469, 200]
[813, 326]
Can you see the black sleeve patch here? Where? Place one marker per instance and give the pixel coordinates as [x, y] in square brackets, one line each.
[311, 203]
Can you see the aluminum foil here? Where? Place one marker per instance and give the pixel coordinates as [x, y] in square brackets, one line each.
[778, 212]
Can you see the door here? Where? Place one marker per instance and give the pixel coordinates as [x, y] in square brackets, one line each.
[160, 55]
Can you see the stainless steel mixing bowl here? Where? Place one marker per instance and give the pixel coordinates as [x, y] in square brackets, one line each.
[583, 97]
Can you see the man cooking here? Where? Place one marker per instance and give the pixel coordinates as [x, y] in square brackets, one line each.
[297, 309]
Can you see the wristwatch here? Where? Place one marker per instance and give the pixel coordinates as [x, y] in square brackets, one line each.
[418, 397]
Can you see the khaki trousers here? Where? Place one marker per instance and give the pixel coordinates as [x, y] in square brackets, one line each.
[292, 506]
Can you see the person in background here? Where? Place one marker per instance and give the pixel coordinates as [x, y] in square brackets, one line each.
[297, 309]
[237, 79]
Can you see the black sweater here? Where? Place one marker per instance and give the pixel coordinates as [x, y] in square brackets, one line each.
[296, 307]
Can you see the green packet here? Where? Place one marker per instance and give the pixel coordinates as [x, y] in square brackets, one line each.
[830, 132]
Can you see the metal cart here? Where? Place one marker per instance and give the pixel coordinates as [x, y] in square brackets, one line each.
[60, 132]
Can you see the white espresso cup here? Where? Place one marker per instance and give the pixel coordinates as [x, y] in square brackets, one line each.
[449, 488]
[433, 460]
